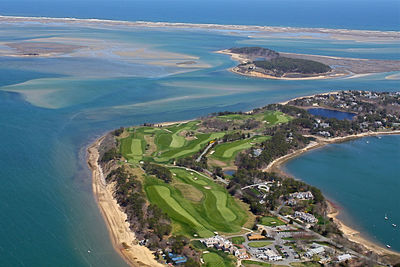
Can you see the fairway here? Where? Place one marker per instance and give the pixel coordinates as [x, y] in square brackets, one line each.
[162, 196]
[190, 148]
[221, 206]
[213, 260]
[227, 151]
[269, 116]
[196, 204]
[136, 147]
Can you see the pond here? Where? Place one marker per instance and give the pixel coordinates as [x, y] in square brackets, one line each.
[329, 113]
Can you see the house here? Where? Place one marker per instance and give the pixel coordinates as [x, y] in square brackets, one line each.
[306, 217]
[257, 152]
[344, 257]
[314, 251]
[324, 133]
[324, 125]
[267, 255]
[291, 202]
[302, 195]
[241, 253]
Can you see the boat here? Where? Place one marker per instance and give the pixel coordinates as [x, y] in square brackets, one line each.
[388, 246]
[386, 217]
[394, 225]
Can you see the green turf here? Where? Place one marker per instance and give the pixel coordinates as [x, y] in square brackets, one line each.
[238, 240]
[271, 117]
[228, 151]
[259, 244]
[190, 148]
[163, 140]
[161, 195]
[221, 198]
[213, 260]
[215, 211]
[271, 221]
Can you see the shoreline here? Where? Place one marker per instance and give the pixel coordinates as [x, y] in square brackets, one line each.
[349, 232]
[256, 74]
[357, 34]
[137, 255]
[114, 217]
[241, 59]
[349, 67]
[354, 235]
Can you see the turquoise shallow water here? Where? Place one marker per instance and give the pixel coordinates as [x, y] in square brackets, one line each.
[52, 108]
[363, 178]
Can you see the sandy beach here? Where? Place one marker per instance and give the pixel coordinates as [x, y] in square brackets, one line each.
[123, 239]
[338, 34]
[349, 67]
[354, 235]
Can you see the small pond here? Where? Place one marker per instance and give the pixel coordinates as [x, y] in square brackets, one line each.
[328, 113]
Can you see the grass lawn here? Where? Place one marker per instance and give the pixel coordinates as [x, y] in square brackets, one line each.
[213, 259]
[227, 151]
[190, 148]
[271, 221]
[196, 204]
[259, 244]
[133, 146]
[218, 258]
[238, 240]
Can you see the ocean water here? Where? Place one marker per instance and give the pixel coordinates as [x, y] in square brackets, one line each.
[52, 108]
[352, 174]
[354, 14]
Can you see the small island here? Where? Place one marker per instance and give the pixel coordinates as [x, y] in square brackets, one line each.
[266, 63]
[210, 191]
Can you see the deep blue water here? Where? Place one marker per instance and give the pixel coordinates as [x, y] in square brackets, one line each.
[52, 108]
[354, 14]
[328, 113]
[352, 174]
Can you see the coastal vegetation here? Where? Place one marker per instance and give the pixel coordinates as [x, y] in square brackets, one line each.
[269, 63]
[282, 65]
[170, 179]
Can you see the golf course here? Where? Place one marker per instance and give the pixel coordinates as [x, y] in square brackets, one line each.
[196, 204]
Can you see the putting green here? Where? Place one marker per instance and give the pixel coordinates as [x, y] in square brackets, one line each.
[177, 140]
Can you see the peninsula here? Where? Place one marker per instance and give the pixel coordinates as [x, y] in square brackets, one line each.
[209, 191]
[266, 63]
